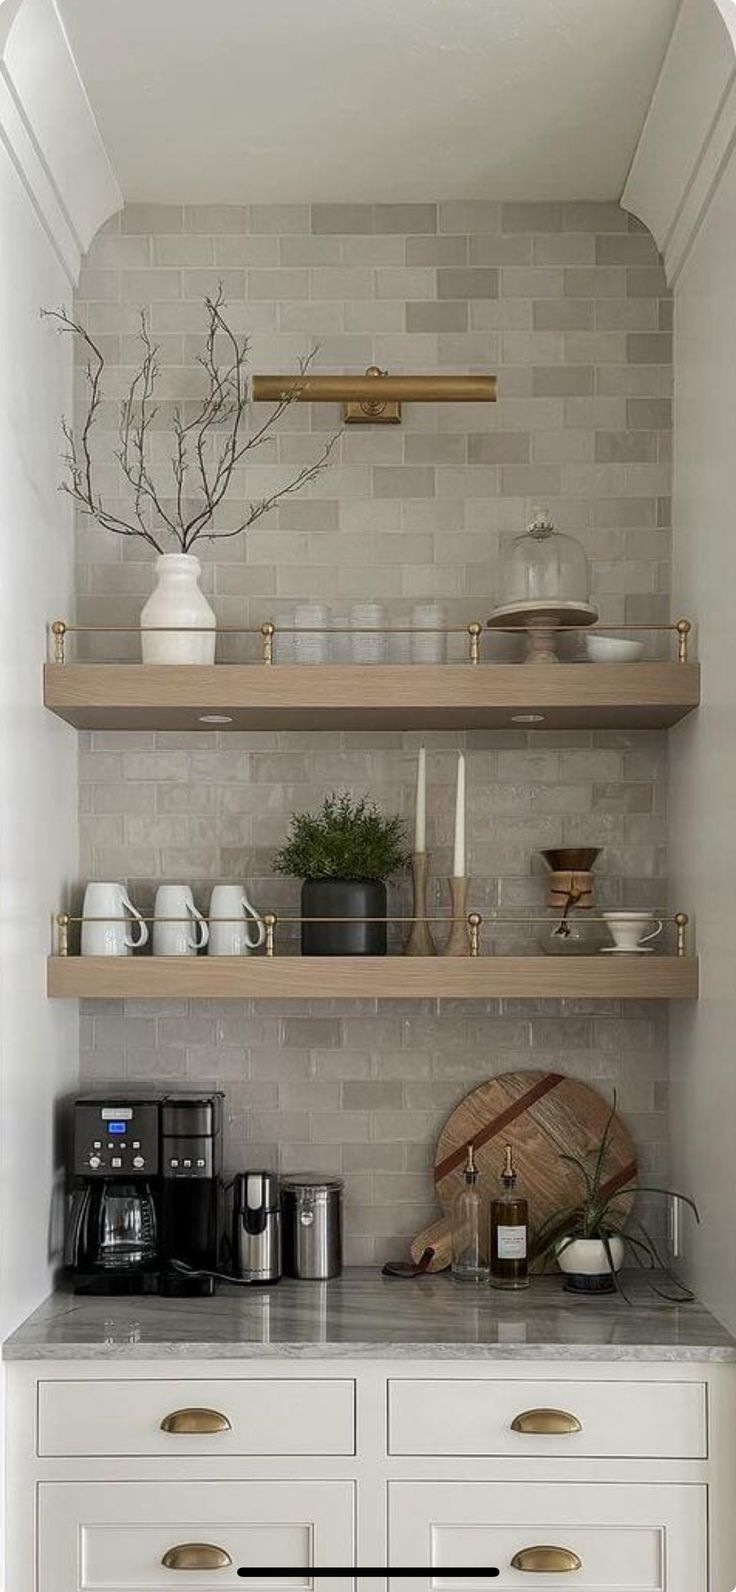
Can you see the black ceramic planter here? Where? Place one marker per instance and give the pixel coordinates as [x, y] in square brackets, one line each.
[344, 898]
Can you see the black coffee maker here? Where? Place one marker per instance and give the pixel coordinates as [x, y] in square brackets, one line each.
[145, 1209]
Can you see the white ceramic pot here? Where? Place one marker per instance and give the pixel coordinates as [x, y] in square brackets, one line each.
[177, 600]
[586, 1259]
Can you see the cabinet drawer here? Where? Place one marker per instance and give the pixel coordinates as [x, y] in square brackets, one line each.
[611, 1420]
[607, 1538]
[115, 1536]
[253, 1416]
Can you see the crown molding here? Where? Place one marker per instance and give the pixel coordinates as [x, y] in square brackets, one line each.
[49, 131]
[690, 130]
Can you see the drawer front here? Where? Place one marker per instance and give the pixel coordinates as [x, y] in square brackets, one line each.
[606, 1538]
[609, 1420]
[115, 1536]
[258, 1416]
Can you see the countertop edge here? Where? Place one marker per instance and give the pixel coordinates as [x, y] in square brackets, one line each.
[200, 1350]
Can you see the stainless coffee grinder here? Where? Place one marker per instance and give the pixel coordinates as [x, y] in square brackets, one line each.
[256, 1237]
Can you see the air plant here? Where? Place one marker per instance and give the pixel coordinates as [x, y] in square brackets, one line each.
[603, 1215]
[207, 448]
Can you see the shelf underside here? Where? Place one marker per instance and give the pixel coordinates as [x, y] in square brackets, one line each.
[361, 696]
[379, 978]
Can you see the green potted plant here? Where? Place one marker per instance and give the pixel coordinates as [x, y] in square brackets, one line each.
[590, 1240]
[344, 854]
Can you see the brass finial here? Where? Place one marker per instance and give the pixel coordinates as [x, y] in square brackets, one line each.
[683, 628]
[474, 923]
[58, 630]
[270, 920]
[62, 927]
[474, 633]
[268, 632]
[681, 923]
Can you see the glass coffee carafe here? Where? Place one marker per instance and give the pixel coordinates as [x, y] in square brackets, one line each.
[125, 1229]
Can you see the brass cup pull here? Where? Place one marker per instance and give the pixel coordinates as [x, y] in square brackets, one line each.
[196, 1556]
[554, 1560]
[195, 1421]
[546, 1423]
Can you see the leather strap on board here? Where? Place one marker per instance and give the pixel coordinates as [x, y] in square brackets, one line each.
[503, 1120]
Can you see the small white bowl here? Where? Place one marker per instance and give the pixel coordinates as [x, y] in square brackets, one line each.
[594, 648]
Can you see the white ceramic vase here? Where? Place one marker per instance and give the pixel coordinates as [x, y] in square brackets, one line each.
[177, 600]
[585, 1263]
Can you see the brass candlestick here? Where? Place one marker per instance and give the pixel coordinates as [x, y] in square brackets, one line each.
[458, 943]
[419, 940]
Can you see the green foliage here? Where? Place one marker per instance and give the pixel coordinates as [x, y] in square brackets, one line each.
[601, 1215]
[346, 839]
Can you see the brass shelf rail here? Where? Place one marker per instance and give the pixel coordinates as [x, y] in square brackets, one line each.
[474, 922]
[270, 632]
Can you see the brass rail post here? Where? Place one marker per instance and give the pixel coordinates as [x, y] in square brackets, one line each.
[270, 920]
[62, 929]
[268, 632]
[58, 630]
[474, 634]
[683, 628]
[474, 923]
[681, 923]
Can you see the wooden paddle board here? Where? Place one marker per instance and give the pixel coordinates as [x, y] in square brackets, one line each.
[542, 1115]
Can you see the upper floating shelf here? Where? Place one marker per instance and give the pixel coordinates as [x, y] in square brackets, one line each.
[113, 696]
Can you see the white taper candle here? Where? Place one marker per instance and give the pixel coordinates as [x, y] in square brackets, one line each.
[458, 864]
[420, 821]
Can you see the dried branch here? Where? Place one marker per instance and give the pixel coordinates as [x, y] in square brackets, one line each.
[209, 469]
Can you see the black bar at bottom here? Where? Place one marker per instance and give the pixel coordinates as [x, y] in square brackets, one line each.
[380, 1570]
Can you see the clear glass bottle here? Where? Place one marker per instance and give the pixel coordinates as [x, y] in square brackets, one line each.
[469, 1263]
[509, 1231]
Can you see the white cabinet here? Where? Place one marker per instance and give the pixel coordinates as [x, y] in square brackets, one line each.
[597, 1538]
[299, 1466]
[134, 1537]
[548, 1420]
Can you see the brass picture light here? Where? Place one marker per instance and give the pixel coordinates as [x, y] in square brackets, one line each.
[376, 397]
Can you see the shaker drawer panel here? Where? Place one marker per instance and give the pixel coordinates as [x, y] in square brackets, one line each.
[130, 1537]
[622, 1538]
[608, 1420]
[202, 1418]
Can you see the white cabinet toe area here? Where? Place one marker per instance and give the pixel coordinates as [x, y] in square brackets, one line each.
[607, 1476]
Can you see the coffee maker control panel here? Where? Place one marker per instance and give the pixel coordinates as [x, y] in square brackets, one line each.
[112, 1140]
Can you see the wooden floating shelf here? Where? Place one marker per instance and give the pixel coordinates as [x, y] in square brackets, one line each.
[122, 696]
[374, 977]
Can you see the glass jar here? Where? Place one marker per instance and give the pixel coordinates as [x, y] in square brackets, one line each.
[543, 567]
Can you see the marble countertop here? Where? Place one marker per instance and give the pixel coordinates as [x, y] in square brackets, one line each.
[363, 1315]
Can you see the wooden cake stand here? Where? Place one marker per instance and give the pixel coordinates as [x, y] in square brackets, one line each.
[542, 620]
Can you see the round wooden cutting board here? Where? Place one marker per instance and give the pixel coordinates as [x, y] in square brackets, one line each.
[542, 1115]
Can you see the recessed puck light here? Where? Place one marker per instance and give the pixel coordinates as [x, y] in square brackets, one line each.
[215, 718]
[528, 718]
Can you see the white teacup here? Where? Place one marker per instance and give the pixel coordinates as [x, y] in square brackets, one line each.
[630, 930]
[106, 930]
[178, 928]
[236, 928]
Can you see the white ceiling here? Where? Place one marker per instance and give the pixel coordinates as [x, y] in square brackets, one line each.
[340, 100]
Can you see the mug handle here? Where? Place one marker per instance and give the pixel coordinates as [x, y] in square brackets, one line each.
[654, 932]
[135, 945]
[200, 927]
[253, 917]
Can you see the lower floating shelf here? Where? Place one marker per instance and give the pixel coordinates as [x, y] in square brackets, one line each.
[374, 977]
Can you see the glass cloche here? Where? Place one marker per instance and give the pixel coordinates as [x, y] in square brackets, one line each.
[544, 586]
[544, 566]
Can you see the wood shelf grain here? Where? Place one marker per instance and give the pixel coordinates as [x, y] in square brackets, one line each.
[126, 696]
[376, 977]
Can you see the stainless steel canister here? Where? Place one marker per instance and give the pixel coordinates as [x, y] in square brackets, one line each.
[312, 1225]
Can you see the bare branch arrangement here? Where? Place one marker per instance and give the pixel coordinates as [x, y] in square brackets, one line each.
[207, 448]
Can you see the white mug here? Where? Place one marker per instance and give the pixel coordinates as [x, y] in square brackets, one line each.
[111, 934]
[627, 929]
[232, 915]
[186, 933]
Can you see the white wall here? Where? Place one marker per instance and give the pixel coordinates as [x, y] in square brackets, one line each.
[703, 750]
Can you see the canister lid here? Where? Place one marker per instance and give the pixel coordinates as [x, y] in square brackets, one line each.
[311, 1185]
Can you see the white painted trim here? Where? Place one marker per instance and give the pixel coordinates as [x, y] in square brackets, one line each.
[689, 132]
[49, 131]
